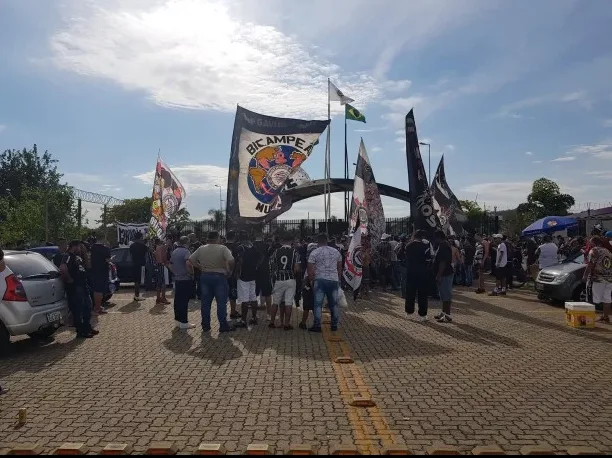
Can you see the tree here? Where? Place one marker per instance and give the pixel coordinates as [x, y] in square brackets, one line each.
[218, 216]
[471, 208]
[544, 200]
[26, 169]
[180, 219]
[131, 211]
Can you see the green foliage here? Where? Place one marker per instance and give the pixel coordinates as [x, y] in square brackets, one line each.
[180, 219]
[131, 211]
[218, 216]
[471, 208]
[30, 189]
[544, 200]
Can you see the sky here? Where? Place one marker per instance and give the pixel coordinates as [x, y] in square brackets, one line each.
[508, 91]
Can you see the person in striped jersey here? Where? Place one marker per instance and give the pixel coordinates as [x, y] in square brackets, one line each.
[284, 268]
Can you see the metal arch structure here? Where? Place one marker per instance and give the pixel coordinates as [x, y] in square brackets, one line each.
[317, 187]
[93, 198]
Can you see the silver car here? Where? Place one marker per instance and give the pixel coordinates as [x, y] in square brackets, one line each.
[563, 281]
[32, 298]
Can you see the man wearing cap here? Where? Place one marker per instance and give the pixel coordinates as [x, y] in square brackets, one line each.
[183, 282]
[501, 265]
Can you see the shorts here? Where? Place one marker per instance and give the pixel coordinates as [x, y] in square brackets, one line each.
[160, 279]
[307, 298]
[284, 291]
[99, 283]
[263, 285]
[602, 292]
[246, 292]
[232, 284]
[137, 274]
[502, 272]
[445, 288]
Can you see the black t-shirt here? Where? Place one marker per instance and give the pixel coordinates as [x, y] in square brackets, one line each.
[417, 256]
[250, 258]
[283, 263]
[99, 256]
[470, 252]
[265, 250]
[444, 255]
[76, 269]
[138, 250]
[57, 259]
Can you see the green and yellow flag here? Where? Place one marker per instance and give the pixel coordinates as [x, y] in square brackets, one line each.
[354, 114]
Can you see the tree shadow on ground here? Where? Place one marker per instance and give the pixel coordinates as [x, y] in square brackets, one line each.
[589, 334]
[34, 356]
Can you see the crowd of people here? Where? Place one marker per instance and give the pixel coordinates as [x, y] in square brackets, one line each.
[251, 272]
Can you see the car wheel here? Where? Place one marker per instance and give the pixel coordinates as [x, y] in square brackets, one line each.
[5, 341]
[43, 334]
[580, 294]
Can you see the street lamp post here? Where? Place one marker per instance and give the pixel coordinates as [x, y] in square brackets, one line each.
[220, 198]
[429, 160]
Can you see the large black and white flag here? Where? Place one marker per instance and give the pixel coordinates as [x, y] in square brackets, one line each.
[265, 159]
[446, 204]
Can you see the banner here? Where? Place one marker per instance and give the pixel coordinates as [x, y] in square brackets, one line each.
[446, 204]
[367, 217]
[421, 202]
[126, 232]
[168, 195]
[266, 152]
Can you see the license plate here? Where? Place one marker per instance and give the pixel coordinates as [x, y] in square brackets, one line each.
[54, 316]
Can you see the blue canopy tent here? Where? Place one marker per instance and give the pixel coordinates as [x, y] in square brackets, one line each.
[549, 224]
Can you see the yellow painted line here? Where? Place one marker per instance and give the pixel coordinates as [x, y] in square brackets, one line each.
[369, 425]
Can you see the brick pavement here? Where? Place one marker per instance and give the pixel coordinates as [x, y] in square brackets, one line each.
[506, 372]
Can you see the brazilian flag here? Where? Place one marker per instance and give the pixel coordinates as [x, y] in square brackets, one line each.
[354, 114]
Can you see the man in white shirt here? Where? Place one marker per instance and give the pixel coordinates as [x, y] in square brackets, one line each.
[547, 253]
[325, 268]
[501, 265]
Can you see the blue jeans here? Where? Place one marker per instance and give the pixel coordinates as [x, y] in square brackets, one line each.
[403, 280]
[323, 288]
[469, 274]
[182, 294]
[79, 300]
[214, 285]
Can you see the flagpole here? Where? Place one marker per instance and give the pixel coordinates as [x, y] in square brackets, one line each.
[346, 170]
[328, 161]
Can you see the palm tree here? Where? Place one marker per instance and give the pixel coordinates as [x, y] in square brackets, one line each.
[217, 217]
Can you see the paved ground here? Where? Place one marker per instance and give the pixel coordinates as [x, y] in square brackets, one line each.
[507, 371]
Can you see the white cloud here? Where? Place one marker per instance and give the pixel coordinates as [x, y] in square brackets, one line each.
[376, 149]
[450, 147]
[195, 178]
[564, 159]
[504, 194]
[512, 109]
[529, 153]
[197, 54]
[600, 151]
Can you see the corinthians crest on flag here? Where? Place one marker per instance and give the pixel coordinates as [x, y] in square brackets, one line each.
[367, 217]
[446, 204]
[168, 195]
[265, 159]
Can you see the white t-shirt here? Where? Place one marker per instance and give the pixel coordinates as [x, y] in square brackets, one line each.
[548, 255]
[502, 255]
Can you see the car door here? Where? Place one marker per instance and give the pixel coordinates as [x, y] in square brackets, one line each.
[40, 278]
[122, 259]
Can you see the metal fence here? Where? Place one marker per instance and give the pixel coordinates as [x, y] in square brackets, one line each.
[486, 224]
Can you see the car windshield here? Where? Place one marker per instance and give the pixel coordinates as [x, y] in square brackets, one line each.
[578, 259]
[30, 265]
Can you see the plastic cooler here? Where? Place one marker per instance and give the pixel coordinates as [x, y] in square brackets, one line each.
[580, 314]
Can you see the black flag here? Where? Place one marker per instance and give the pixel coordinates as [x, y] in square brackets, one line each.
[421, 203]
[446, 204]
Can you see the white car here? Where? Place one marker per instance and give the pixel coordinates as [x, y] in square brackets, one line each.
[32, 297]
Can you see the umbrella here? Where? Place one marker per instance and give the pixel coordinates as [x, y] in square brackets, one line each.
[549, 224]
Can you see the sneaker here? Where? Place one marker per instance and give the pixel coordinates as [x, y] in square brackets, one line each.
[235, 315]
[314, 329]
[186, 326]
[102, 311]
[422, 319]
[94, 332]
[410, 315]
[439, 316]
[445, 319]
[3, 391]
[303, 326]
[84, 336]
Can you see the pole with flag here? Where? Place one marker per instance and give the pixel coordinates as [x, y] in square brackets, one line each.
[353, 114]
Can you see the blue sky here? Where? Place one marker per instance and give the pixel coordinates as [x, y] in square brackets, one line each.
[508, 91]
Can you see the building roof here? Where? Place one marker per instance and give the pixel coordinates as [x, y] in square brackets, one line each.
[600, 213]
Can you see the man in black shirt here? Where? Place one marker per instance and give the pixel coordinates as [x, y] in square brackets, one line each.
[100, 257]
[469, 251]
[284, 267]
[416, 255]
[443, 270]
[138, 250]
[57, 257]
[263, 283]
[232, 280]
[247, 264]
[75, 277]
